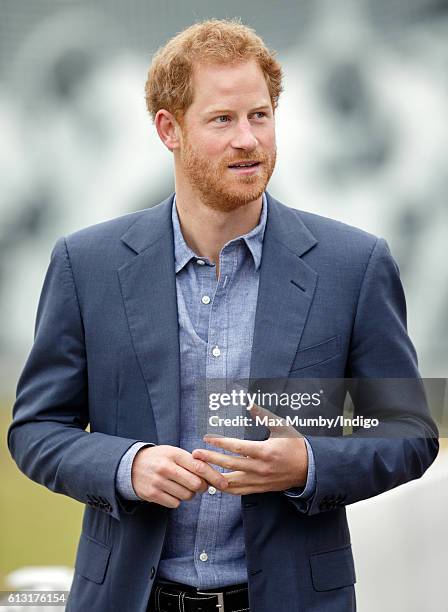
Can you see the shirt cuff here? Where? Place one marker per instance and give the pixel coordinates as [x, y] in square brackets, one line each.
[310, 485]
[123, 480]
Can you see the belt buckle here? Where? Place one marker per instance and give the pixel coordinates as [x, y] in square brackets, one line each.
[220, 596]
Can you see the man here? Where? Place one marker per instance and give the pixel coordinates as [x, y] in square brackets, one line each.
[219, 281]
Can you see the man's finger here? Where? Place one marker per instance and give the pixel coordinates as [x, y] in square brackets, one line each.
[203, 470]
[241, 484]
[237, 478]
[247, 448]
[176, 490]
[186, 478]
[226, 461]
[246, 490]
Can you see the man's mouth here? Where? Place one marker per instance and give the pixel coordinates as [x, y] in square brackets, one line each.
[245, 167]
[244, 164]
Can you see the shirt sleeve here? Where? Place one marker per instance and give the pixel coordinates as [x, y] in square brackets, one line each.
[310, 485]
[123, 481]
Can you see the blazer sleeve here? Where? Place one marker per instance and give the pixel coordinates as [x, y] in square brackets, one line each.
[47, 437]
[405, 443]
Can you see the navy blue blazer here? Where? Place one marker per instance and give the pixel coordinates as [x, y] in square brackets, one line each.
[106, 353]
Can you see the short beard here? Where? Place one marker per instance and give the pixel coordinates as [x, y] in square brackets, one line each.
[208, 179]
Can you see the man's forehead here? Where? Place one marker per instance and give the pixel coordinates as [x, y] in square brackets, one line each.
[214, 83]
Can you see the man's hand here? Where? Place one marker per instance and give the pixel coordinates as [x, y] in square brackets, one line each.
[167, 475]
[275, 464]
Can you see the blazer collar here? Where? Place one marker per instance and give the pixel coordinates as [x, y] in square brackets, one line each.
[151, 225]
[283, 223]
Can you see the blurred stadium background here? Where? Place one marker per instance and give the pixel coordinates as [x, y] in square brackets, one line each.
[362, 137]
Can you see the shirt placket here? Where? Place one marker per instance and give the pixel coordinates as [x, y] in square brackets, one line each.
[215, 369]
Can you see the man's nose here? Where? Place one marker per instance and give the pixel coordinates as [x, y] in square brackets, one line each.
[244, 137]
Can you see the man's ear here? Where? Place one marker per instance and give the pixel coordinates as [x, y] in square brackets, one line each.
[168, 129]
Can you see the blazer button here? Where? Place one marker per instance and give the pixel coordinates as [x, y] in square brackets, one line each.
[153, 572]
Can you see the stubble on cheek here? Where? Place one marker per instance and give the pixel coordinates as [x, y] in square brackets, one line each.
[218, 187]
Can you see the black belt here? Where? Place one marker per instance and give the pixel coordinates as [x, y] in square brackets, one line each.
[176, 597]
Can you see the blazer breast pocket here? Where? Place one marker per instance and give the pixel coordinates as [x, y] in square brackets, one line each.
[317, 353]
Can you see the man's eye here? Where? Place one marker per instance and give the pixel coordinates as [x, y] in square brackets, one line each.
[222, 119]
[260, 114]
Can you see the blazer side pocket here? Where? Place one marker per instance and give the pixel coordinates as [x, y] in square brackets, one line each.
[317, 353]
[92, 559]
[333, 569]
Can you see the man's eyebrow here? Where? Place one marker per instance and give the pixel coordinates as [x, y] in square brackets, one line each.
[228, 111]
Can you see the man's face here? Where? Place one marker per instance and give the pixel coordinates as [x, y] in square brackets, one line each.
[230, 121]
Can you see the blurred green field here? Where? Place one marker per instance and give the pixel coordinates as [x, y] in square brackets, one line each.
[38, 527]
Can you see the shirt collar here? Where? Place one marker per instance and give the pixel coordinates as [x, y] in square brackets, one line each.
[253, 239]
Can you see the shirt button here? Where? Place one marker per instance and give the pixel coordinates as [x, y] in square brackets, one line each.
[212, 490]
[200, 262]
[205, 299]
[203, 556]
[216, 352]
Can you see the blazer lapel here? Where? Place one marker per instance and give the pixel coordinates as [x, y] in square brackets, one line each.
[148, 285]
[285, 293]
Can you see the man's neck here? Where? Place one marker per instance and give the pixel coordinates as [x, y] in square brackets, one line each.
[206, 230]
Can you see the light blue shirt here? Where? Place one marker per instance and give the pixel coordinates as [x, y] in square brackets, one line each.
[204, 545]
